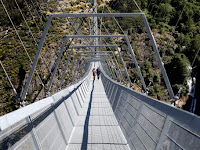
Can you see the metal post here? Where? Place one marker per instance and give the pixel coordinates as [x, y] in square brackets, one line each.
[105, 52]
[76, 69]
[72, 68]
[83, 65]
[40, 45]
[87, 66]
[113, 54]
[124, 66]
[80, 69]
[110, 66]
[66, 66]
[118, 68]
[171, 93]
[114, 64]
[114, 68]
[107, 69]
[130, 48]
[136, 64]
[104, 64]
[57, 63]
[78, 72]
[120, 73]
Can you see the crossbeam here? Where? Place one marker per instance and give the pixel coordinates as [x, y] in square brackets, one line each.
[98, 15]
[84, 46]
[91, 59]
[62, 78]
[108, 61]
[142, 15]
[129, 47]
[61, 82]
[94, 36]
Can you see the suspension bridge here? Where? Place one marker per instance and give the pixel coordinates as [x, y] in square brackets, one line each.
[96, 114]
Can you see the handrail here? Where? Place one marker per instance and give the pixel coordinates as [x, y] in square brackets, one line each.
[185, 117]
[18, 115]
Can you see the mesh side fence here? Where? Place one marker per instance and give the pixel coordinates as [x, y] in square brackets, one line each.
[17, 136]
[48, 132]
[26, 143]
[65, 120]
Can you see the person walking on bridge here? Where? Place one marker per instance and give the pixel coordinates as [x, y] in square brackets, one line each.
[98, 72]
[94, 73]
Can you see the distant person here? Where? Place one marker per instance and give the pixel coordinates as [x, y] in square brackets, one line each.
[93, 73]
[98, 72]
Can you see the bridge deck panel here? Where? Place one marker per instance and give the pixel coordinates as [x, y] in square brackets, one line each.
[97, 123]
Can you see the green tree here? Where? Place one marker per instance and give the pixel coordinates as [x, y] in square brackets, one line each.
[178, 68]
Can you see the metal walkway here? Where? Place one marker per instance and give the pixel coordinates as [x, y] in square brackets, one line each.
[102, 115]
[97, 127]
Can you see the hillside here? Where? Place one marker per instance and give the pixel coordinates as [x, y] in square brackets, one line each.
[176, 28]
[18, 47]
[178, 41]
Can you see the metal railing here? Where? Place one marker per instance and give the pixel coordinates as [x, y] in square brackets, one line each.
[146, 123]
[46, 124]
[150, 124]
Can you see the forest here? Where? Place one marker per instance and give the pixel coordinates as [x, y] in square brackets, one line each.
[174, 23]
[181, 20]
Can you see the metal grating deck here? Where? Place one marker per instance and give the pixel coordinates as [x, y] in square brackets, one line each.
[97, 127]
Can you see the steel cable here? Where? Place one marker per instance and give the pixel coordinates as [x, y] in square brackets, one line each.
[30, 31]
[8, 78]
[115, 44]
[20, 38]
